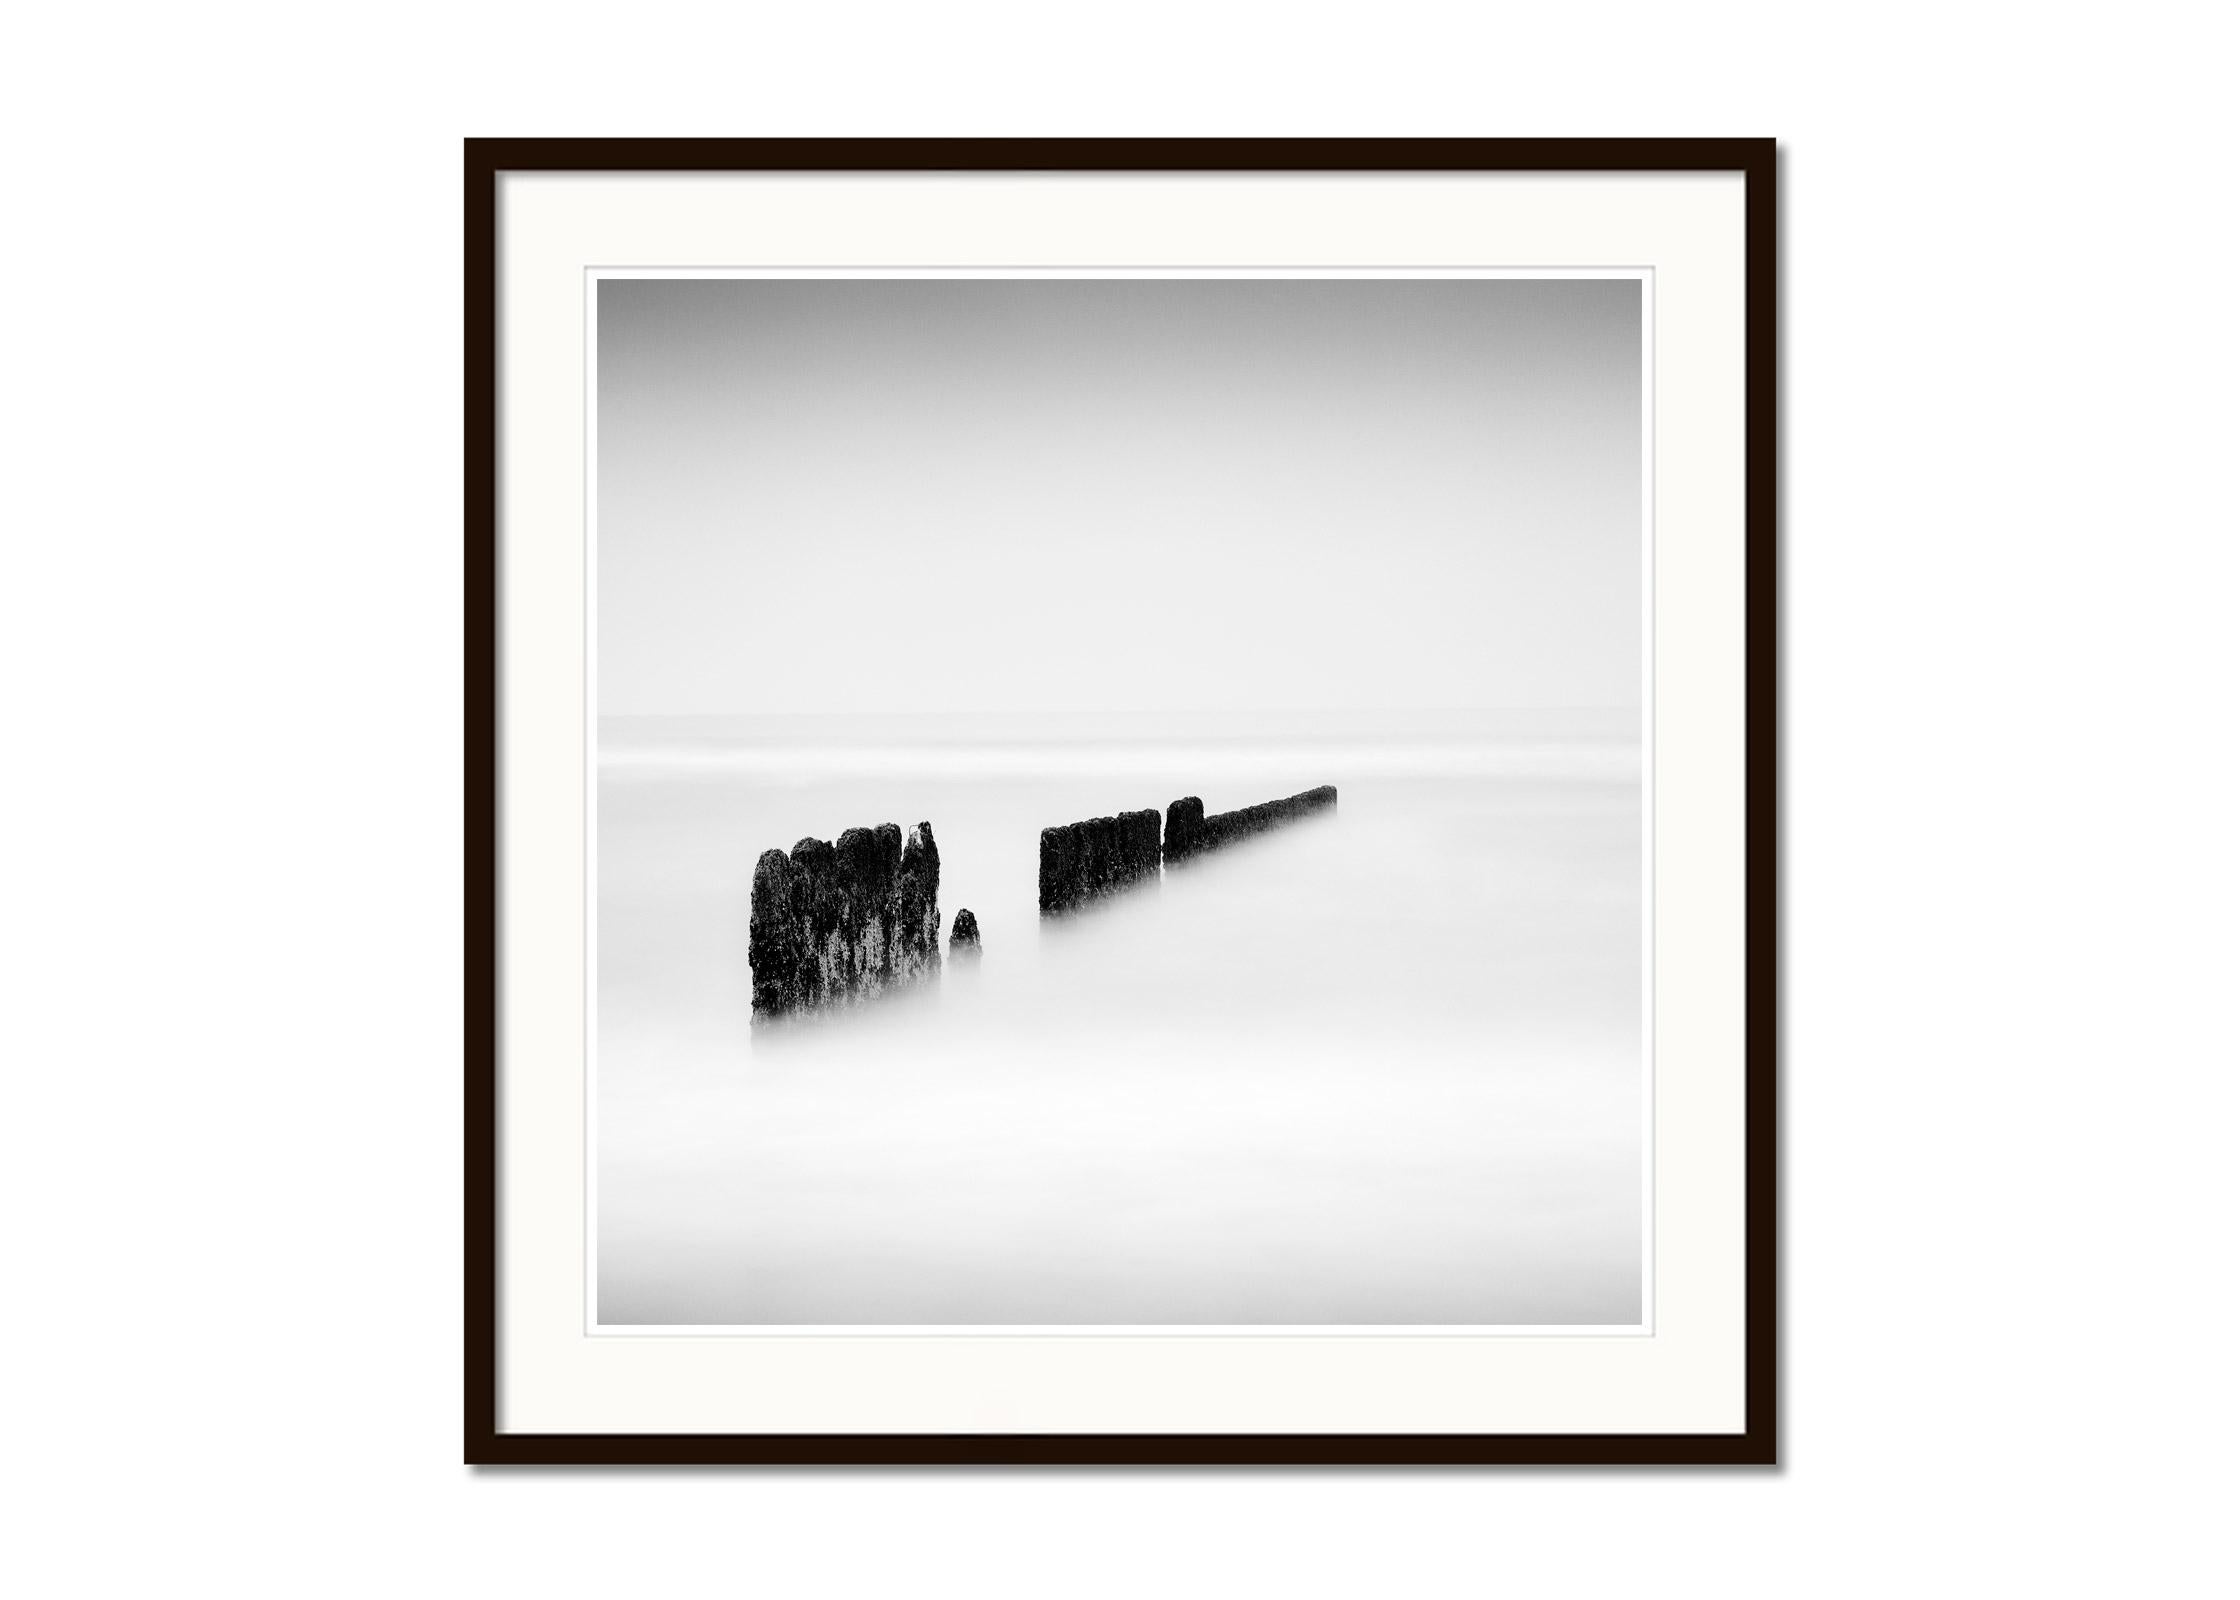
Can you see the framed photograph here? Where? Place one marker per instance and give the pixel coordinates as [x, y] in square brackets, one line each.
[1122, 801]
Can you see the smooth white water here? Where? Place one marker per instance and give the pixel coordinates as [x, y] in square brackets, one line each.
[1381, 1067]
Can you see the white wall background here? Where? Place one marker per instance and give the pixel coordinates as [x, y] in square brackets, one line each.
[229, 825]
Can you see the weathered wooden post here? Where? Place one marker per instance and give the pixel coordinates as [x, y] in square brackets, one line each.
[842, 921]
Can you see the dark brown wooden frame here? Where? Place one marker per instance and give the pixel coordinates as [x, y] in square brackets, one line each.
[487, 162]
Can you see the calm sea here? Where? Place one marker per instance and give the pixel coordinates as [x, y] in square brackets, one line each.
[1382, 1067]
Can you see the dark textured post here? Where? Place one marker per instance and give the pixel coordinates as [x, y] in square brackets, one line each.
[1055, 883]
[1083, 860]
[842, 921]
[1139, 845]
[964, 936]
[1191, 832]
[916, 938]
[1186, 826]
[776, 946]
[866, 859]
[816, 913]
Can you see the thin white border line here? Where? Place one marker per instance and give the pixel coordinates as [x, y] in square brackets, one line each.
[593, 1328]
[1648, 803]
[591, 803]
[1117, 1330]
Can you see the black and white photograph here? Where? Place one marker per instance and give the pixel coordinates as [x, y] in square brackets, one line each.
[1205, 802]
[1119, 800]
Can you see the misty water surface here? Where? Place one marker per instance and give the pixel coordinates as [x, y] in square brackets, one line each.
[1382, 1067]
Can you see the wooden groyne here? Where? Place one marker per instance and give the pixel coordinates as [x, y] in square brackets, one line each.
[1082, 861]
[843, 921]
[1191, 832]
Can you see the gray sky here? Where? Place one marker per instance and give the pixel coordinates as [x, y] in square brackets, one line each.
[1118, 495]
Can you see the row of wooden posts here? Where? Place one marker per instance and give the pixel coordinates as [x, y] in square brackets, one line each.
[846, 920]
